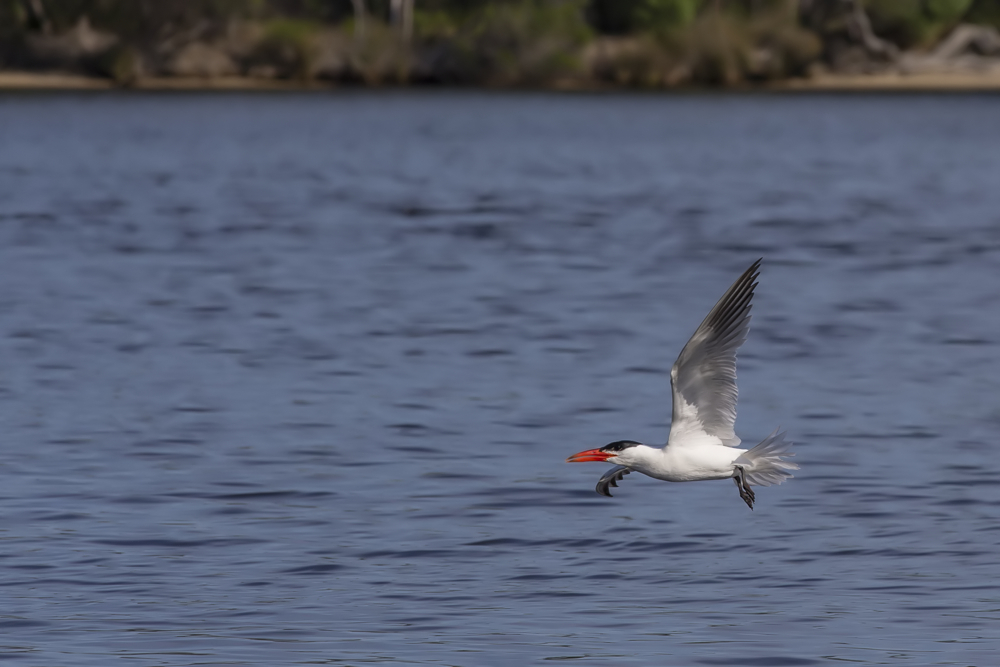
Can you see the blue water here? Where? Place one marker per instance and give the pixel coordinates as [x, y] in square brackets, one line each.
[291, 379]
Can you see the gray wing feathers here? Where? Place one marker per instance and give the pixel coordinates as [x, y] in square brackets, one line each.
[704, 375]
[610, 478]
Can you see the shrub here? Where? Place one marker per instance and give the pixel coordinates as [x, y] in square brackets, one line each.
[121, 63]
[434, 25]
[382, 56]
[652, 15]
[716, 48]
[782, 46]
[515, 43]
[911, 23]
[727, 48]
[640, 61]
[984, 12]
[287, 46]
[946, 11]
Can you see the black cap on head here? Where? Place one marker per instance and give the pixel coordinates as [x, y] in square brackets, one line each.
[619, 445]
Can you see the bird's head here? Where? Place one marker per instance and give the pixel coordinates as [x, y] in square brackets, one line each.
[615, 452]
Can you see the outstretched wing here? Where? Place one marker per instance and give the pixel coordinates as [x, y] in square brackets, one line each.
[610, 478]
[704, 376]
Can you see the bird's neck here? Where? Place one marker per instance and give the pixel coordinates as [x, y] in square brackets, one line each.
[644, 458]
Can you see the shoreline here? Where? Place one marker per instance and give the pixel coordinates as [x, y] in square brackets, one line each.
[26, 81]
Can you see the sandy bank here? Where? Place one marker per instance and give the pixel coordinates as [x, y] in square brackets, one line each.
[51, 81]
[887, 82]
[13, 80]
[924, 82]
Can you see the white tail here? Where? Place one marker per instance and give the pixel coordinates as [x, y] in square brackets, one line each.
[763, 465]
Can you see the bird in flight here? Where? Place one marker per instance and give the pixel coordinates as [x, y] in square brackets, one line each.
[702, 443]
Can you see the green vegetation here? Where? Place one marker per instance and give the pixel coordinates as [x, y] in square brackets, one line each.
[659, 14]
[984, 12]
[910, 23]
[287, 45]
[517, 42]
[492, 42]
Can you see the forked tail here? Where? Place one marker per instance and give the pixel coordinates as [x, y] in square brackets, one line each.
[763, 465]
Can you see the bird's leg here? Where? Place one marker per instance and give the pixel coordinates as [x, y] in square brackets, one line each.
[746, 493]
[746, 486]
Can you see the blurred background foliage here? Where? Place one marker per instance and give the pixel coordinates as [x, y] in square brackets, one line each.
[910, 23]
[503, 42]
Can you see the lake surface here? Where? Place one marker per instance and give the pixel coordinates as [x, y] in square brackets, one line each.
[290, 379]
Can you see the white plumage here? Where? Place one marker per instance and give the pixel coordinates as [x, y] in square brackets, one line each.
[702, 444]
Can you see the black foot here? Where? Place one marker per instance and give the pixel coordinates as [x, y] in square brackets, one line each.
[746, 493]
